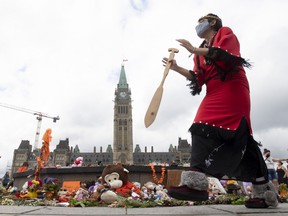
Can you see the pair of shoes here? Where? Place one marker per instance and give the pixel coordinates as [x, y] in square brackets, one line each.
[185, 193]
[256, 203]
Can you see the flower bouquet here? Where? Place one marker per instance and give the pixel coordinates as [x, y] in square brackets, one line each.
[51, 187]
[33, 187]
[283, 191]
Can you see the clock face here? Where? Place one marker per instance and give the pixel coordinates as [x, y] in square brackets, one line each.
[122, 94]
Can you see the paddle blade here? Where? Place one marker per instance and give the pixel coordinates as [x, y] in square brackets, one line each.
[153, 107]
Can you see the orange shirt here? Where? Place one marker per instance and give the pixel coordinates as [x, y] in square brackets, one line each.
[22, 169]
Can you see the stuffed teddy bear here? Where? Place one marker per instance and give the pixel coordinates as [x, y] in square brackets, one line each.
[161, 193]
[78, 162]
[101, 193]
[64, 195]
[24, 191]
[150, 186]
[116, 176]
[213, 189]
[81, 194]
[30, 189]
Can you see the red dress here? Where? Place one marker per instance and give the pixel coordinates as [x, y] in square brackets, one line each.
[226, 102]
[222, 141]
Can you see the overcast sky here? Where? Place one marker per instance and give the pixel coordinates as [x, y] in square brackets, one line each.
[63, 57]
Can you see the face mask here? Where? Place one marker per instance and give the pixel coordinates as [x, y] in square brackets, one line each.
[202, 27]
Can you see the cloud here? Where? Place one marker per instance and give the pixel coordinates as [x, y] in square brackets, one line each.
[139, 5]
[64, 58]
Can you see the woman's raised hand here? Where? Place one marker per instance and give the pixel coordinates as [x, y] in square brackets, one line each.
[186, 44]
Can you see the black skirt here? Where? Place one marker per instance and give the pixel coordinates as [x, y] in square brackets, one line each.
[233, 154]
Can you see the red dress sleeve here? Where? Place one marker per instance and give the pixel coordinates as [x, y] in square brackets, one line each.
[227, 41]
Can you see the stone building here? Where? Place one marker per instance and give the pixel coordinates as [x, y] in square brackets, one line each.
[62, 154]
[22, 154]
[65, 155]
[183, 151]
[122, 150]
[123, 128]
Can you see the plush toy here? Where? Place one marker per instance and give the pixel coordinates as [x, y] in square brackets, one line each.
[93, 188]
[138, 184]
[30, 189]
[94, 193]
[150, 186]
[12, 189]
[214, 190]
[78, 162]
[25, 187]
[161, 193]
[232, 187]
[81, 194]
[64, 195]
[104, 194]
[149, 190]
[24, 191]
[116, 176]
[247, 188]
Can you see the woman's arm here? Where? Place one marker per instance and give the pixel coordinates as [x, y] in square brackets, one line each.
[187, 45]
[200, 51]
[286, 172]
[279, 159]
[184, 72]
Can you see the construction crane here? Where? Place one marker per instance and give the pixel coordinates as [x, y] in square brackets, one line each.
[39, 117]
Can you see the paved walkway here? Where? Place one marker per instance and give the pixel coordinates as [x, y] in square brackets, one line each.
[207, 210]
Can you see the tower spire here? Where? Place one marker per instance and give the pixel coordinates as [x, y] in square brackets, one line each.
[122, 80]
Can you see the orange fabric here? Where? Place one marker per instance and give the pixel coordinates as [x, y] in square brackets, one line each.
[45, 151]
[47, 136]
[22, 169]
[71, 186]
[39, 164]
[127, 189]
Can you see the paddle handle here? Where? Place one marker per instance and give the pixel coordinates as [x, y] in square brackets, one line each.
[156, 99]
[167, 68]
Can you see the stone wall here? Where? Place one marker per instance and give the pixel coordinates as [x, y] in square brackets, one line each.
[141, 174]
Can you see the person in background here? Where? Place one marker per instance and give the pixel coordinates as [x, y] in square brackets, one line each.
[269, 160]
[286, 174]
[173, 164]
[281, 173]
[23, 168]
[10, 185]
[5, 179]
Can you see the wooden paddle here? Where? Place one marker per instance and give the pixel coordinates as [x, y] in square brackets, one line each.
[156, 99]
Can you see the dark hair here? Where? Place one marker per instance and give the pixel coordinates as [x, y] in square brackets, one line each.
[210, 17]
[25, 164]
[266, 151]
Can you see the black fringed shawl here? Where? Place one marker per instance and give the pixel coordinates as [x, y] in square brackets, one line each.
[215, 55]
